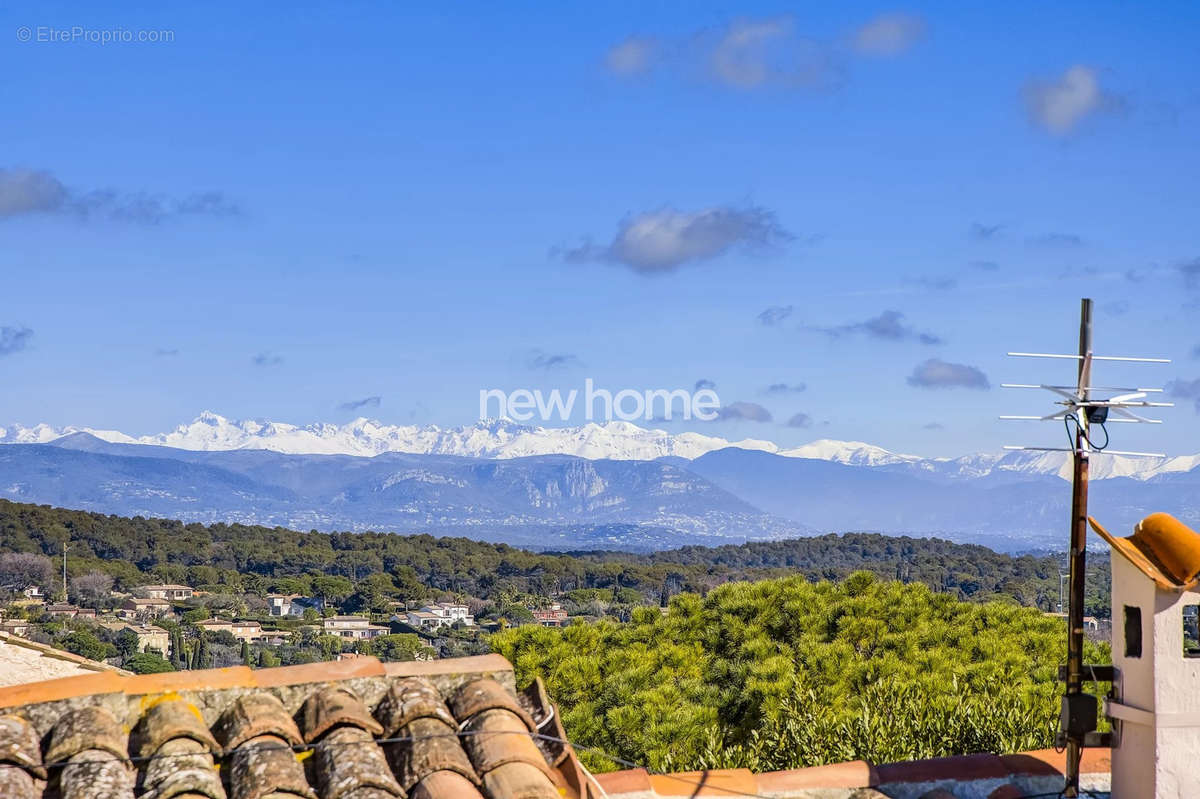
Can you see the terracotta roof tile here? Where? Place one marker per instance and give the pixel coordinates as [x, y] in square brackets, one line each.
[334, 671]
[334, 707]
[19, 745]
[253, 715]
[50, 690]
[852, 774]
[350, 765]
[265, 766]
[181, 767]
[414, 709]
[299, 732]
[445, 785]
[86, 728]
[962, 767]
[725, 782]
[180, 681]
[168, 720]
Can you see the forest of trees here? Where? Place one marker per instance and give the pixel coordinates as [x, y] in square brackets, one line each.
[786, 673]
[236, 558]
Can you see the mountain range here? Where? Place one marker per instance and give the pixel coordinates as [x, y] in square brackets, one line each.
[615, 485]
[504, 439]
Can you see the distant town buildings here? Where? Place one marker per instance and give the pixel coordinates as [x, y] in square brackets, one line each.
[553, 616]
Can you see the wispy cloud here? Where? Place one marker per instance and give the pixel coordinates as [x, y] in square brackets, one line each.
[800, 420]
[1055, 239]
[358, 404]
[703, 384]
[633, 56]
[1191, 272]
[267, 359]
[1185, 389]
[936, 373]
[887, 326]
[744, 411]
[1060, 104]
[889, 34]
[982, 232]
[163, 352]
[14, 339]
[775, 315]
[752, 53]
[656, 242]
[31, 191]
[550, 361]
[934, 282]
[783, 389]
[933, 426]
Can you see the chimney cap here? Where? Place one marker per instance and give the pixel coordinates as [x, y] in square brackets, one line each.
[1163, 548]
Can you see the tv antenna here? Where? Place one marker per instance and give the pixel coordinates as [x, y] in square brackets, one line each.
[1080, 407]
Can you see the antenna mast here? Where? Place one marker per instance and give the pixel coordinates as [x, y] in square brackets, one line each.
[1078, 565]
[1077, 722]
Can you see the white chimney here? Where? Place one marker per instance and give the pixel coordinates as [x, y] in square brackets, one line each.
[1156, 651]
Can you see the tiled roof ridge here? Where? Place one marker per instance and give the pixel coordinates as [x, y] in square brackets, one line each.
[288, 730]
[59, 654]
[114, 681]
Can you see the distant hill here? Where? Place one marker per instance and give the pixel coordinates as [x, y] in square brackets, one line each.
[239, 557]
[566, 502]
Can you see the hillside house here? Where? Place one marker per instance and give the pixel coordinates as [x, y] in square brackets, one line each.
[35, 592]
[64, 610]
[15, 627]
[136, 609]
[440, 614]
[553, 616]
[292, 604]
[353, 627]
[168, 591]
[154, 638]
[248, 631]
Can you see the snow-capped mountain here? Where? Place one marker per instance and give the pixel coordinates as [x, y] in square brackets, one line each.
[504, 439]
[210, 432]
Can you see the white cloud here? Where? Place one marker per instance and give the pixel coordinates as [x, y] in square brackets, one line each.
[35, 191]
[633, 56]
[752, 53]
[27, 191]
[936, 373]
[663, 240]
[889, 34]
[1059, 105]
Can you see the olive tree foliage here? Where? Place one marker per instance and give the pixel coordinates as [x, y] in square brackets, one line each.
[91, 590]
[19, 570]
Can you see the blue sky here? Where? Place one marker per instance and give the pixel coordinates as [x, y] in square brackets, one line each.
[280, 212]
